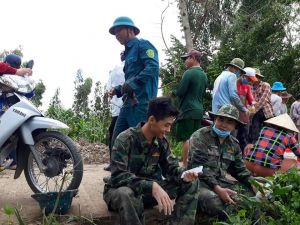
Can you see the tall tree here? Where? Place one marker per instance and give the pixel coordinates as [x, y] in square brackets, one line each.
[39, 90]
[100, 102]
[55, 100]
[83, 88]
[206, 20]
[184, 18]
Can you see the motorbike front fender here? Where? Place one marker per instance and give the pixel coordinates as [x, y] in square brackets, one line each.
[35, 123]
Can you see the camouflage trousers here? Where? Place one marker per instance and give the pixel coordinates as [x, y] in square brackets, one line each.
[211, 204]
[131, 207]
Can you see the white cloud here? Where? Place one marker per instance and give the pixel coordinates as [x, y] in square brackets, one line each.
[65, 35]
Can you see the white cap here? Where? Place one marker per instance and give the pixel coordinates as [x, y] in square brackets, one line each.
[250, 72]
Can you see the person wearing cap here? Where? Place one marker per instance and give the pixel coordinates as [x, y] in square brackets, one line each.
[263, 108]
[12, 64]
[141, 75]
[140, 156]
[244, 89]
[266, 156]
[215, 149]
[225, 89]
[295, 113]
[190, 93]
[276, 100]
[285, 98]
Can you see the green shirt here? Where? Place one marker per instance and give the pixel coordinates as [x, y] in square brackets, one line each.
[217, 159]
[136, 164]
[190, 93]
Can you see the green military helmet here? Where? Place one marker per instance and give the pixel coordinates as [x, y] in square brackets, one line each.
[228, 111]
[123, 21]
[238, 63]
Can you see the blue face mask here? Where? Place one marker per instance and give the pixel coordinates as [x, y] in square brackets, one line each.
[238, 73]
[221, 133]
[245, 81]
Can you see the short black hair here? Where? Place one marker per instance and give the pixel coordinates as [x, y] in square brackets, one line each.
[161, 108]
[298, 97]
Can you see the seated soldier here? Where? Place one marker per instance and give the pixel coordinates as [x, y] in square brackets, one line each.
[140, 156]
[266, 156]
[219, 153]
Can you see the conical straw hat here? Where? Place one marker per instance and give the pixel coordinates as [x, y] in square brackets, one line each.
[283, 121]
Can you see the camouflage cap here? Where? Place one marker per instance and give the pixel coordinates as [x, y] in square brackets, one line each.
[238, 63]
[258, 73]
[228, 111]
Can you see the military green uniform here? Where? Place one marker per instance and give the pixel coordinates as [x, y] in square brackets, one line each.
[135, 165]
[217, 160]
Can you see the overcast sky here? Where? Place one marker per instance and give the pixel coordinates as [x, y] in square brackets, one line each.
[65, 35]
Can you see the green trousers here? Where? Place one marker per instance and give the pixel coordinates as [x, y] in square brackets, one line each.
[131, 207]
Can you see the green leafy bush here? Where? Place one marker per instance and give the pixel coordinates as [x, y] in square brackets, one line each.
[91, 126]
[282, 206]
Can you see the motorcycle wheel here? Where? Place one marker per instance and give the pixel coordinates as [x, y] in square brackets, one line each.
[62, 159]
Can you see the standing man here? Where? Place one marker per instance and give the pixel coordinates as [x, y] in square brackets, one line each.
[276, 100]
[244, 88]
[190, 93]
[263, 108]
[285, 98]
[141, 75]
[295, 113]
[116, 78]
[140, 156]
[225, 87]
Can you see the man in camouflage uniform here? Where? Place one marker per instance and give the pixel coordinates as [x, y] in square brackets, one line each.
[140, 156]
[219, 153]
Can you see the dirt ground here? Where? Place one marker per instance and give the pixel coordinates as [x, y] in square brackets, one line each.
[93, 153]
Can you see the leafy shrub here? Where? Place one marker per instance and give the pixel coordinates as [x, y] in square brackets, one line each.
[282, 206]
[91, 126]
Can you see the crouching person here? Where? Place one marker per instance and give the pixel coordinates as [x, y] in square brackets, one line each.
[219, 153]
[270, 154]
[140, 157]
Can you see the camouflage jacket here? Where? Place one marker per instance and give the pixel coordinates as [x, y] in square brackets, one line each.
[136, 164]
[217, 159]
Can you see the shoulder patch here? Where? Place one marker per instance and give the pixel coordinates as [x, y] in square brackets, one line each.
[150, 53]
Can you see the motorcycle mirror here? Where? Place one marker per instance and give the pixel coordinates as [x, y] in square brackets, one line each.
[30, 64]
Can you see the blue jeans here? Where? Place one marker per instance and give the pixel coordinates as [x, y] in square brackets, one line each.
[129, 116]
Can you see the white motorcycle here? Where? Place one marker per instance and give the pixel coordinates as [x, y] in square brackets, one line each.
[47, 156]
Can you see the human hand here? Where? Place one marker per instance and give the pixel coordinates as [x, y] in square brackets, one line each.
[251, 109]
[259, 186]
[163, 199]
[225, 194]
[112, 92]
[126, 89]
[24, 71]
[190, 176]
